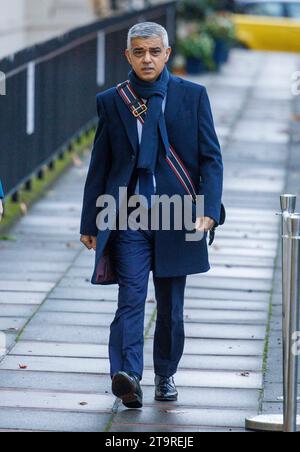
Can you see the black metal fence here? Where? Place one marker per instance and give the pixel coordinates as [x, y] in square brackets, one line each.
[51, 88]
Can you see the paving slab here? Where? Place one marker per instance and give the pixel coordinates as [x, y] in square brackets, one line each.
[233, 283]
[67, 333]
[25, 286]
[36, 267]
[245, 252]
[212, 379]
[246, 243]
[84, 306]
[9, 310]
[221, 331]
[55, 381]
[23, 298]
[227, 295]
[132, 428]
[94, 293]
[83, 284]
[240, 224]
[34, 277]
[69, 243]
[56, 364]
[23, 231]
[230, 305]
[59, 318]
[241, 272]
[216, 347]
[233, 260]
[225, 316]
[56, 401]
[53, 421]
[185, 417]
[192, 362]
[44, 221]
[12, 323]
[54, 349]
[249, 233]
[206, 398]
[101, 365]
[24, 350]
[35, 255]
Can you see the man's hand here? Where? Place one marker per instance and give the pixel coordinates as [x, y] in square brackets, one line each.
[1, 209]
[89, 241]
[204, 224]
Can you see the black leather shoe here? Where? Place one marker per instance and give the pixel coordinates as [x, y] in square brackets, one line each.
[127, 387]
[165, 389]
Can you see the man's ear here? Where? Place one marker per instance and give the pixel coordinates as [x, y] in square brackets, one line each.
[168, 54]
[127, 54]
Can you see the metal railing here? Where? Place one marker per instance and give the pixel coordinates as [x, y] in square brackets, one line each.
[290, 228]
[51, 87]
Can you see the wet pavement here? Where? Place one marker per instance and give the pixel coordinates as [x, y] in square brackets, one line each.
[56, 376]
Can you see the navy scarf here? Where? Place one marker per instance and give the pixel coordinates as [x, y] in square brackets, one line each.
[155, 125]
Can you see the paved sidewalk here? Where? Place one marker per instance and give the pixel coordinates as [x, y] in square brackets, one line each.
[56, 377]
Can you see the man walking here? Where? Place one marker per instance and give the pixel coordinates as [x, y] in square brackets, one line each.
[155, 136]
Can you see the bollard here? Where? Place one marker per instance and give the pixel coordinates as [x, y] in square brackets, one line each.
[290, 323]
[288, 206]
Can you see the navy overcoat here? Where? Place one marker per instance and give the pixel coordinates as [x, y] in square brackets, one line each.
[192, 133]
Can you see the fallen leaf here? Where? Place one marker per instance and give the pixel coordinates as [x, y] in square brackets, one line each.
[245, 374]
[297, 117]
[22, 366]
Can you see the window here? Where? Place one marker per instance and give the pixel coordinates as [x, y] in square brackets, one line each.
[271, 9]
[293, 10]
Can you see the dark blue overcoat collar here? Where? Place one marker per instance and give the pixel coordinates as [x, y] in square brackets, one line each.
[174, 102]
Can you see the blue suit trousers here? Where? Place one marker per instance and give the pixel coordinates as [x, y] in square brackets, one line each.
[133, 254]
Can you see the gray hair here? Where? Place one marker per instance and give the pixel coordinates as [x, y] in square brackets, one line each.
[148, 30]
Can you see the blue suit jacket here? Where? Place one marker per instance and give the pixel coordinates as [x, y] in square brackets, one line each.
[191, 132]
[1, 191]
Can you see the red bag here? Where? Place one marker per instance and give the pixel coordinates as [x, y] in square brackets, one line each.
[105, 273]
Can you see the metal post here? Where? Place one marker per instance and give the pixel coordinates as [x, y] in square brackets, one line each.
[293, 252]
[288, 206]
[291, 305]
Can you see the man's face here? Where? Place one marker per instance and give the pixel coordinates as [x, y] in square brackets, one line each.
[148, 57]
